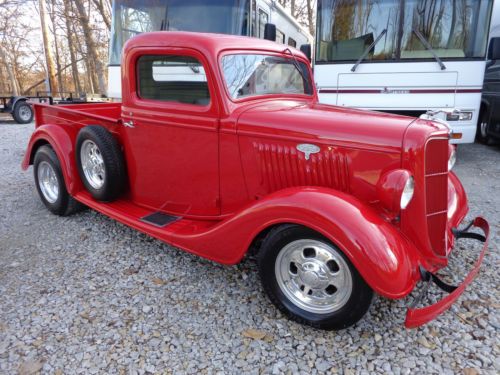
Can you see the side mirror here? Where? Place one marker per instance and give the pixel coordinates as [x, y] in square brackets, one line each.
[306, 50]
[270, 32]
[494, 49]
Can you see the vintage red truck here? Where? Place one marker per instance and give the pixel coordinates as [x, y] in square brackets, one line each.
[220, 147]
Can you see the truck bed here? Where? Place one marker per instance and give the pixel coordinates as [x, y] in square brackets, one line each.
[82, 113]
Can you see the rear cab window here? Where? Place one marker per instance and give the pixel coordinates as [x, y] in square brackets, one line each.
[172, 78]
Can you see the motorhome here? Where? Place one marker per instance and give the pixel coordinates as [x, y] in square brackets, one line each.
[405, 56]
[236, 17]
[489, 116]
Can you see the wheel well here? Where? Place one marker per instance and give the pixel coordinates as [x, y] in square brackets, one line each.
[482, 108]
[256, 244]
[35, 147]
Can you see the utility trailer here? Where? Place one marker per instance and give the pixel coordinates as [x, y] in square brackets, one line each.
[21, 109]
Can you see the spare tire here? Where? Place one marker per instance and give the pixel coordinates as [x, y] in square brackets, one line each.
[100, 163]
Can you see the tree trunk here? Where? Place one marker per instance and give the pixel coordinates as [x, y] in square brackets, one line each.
[310, 16]
[49, 57]
[10, 73]
[103, 12]
[91, 45]
[58, 57]
[71, 47]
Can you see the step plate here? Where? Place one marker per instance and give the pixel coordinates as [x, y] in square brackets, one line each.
[159, 219]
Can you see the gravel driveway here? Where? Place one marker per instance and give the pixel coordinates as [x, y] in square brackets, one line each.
[84, 294]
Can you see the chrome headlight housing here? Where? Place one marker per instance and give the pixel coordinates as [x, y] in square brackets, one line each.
[452, 157]
[408, 191]
[395, 189]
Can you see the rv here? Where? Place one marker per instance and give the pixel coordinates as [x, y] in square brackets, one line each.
[489, 116]
[405, 56]
[236, 17]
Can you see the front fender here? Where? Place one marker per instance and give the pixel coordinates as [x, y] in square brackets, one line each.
[383, 256]
[61, 139]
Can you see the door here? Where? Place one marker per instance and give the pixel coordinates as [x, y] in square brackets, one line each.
[171, 134]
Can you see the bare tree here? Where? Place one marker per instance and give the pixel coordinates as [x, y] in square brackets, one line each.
[47, 43]
[90, 44]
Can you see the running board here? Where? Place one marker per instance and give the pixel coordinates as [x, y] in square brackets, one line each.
[159, 219]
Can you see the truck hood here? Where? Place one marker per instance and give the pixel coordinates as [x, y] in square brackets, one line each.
[327, 124]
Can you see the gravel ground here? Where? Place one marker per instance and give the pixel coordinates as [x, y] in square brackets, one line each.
[85, 294]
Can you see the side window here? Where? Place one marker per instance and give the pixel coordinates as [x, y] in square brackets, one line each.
[169, 78]
[280, 36]
[292, 42]
[263, 19]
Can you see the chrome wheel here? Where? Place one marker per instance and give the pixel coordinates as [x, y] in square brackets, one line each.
[92, 164]
[25, 112]
[48, 182]
[482, 128]
[314, 276]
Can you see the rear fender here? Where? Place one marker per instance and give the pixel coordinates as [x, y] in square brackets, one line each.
[387, 261]
[62, 140]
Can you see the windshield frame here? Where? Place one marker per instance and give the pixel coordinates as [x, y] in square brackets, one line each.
[299, 59]
[398, 48]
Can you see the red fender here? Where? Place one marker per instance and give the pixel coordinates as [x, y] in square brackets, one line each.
[383, 256]
[62, 140]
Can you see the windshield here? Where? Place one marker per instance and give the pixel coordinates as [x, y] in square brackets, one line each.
[250, 75]
[454, 29]
[131, 17]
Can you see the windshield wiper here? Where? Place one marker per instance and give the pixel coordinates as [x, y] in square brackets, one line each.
[296, 64]
[367, 50]
[428, 46]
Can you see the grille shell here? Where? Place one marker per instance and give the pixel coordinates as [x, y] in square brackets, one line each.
[436, 193]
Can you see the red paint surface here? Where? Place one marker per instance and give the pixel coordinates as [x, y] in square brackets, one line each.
[230, 170]
[417, 317]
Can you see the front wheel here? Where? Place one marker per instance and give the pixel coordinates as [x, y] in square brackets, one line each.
[310, 280]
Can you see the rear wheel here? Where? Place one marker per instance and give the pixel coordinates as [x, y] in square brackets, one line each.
[50, 183]
[23, 112]
[310, 280]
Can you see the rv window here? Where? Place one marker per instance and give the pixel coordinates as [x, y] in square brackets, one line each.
[292, 42]
[280, 37]
[454, 29]
[263, 19]
[173, 79]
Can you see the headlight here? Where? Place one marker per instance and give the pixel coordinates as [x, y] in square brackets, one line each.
[452, 158]
[408, 191]
[459, 116]
[395, 189]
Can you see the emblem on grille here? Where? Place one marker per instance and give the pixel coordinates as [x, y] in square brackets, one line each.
[308, 149]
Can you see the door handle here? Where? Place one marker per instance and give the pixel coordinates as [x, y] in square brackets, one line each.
[129, 124]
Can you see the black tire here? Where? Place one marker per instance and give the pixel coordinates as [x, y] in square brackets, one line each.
[356, 305]
[482, 128]
[65, 204]
[113, 180]
[23, 112]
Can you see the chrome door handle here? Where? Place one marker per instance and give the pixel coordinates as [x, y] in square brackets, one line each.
[129, 124]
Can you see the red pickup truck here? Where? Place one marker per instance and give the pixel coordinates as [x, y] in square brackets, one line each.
[221, 148]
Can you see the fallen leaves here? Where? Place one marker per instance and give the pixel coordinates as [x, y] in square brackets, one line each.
[130, 271]
[31, 366]
[254, 334]
[471, 371]
[425, 343]
[158, 281]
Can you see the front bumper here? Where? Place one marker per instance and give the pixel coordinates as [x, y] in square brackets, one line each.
[416, 317]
